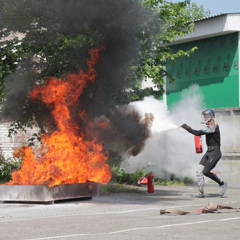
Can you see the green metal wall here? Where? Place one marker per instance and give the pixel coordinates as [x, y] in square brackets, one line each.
[214, 67]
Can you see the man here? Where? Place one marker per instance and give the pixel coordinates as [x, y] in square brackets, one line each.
[213, 154]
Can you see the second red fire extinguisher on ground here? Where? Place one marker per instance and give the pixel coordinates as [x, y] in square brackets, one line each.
[150, 186]
[198, 144]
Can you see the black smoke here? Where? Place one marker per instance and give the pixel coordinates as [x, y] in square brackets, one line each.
[116, 25]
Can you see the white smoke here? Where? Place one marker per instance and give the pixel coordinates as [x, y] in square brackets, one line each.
[170, 149]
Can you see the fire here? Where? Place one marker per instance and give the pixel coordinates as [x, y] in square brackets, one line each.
[65, 157]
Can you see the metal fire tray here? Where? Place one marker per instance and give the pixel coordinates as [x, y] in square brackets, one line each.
[44, 194]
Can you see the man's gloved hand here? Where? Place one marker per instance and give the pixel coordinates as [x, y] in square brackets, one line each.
[185, 126]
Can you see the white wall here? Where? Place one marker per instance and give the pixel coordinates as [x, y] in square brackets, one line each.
[9, 144]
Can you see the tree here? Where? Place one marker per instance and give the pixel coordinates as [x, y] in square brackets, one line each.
[65, 49]
[174, 19]
[57, 36]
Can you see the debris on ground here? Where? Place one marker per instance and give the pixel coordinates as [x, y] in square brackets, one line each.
[211, 208]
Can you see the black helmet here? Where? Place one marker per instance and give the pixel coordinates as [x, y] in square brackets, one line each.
[209, 112]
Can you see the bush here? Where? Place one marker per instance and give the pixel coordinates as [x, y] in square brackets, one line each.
[7, 166]
[137, 175]
[120, 176]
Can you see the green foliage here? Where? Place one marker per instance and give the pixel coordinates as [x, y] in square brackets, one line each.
[172, 19]
[43, 51]
[139, 174]
[120, 176]
[10, 54]
[174, 181]
[60, 54]
[55, 49]
[7, 166]
[169, 182]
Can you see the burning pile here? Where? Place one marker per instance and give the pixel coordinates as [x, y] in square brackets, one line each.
[80, 120]
[65, 157]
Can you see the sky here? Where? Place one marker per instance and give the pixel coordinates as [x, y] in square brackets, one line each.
[218, 6]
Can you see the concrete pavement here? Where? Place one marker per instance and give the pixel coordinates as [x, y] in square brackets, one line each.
[124, 216]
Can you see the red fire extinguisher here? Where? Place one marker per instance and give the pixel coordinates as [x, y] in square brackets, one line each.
[150, 186]
[198, 144]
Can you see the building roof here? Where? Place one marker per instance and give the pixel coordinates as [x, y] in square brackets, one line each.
[212, 26]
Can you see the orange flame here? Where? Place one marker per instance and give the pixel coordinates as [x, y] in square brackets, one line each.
[65, 157]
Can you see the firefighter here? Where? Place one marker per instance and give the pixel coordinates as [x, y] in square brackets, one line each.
[213, 154]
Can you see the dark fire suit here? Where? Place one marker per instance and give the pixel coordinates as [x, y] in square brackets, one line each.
[212, 156]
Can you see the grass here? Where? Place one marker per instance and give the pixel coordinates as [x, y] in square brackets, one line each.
[175, 182]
